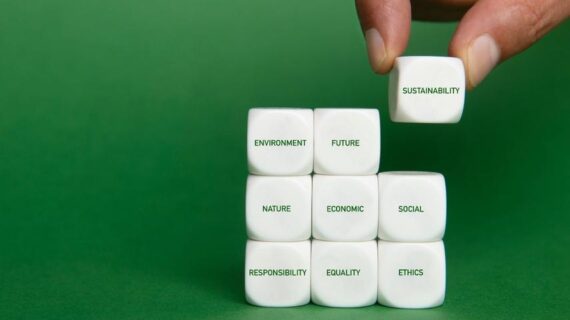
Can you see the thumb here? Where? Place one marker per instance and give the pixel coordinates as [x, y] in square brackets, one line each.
[386, 27]
[493, 31]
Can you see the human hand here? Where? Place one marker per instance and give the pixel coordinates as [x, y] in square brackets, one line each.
[489, 31]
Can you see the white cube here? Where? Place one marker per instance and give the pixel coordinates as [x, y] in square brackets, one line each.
[347, 141]
[345, 208]
[280, 141]
[411, 275]
[277, 274]
[278, 208]
[412, 206]
[344, 274]
[427, 90]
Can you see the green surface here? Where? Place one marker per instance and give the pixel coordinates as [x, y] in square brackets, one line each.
[123, 165]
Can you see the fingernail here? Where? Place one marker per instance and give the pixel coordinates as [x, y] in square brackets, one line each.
[376, 49]
[482, 56]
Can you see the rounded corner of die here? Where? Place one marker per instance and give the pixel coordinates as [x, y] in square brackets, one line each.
[308, 114]
[306, 168]
[252, 178]
[384, 237]
[458, 63]
[304, 237]
[319, 167]
[456, 118]
[398, 113]
[398, 62]
[252, 235]
[374, 114]
[383, 300]
[251, 300]
[374, 166]
[253, 115]
[253, 241]
[317, 237]
[253, 168]
[439, 175]
[319, 116]
[385, 179]
[439, 299]
[315, 297]
[251, 112]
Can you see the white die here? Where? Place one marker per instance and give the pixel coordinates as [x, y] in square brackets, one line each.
[412, 206]
[280, 141]
[277, 274]
[427, 90]
[411, 275]
[347, 141]
[278, 208]
[344, 274]
[345, 208]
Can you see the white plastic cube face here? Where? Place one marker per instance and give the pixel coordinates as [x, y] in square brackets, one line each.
[412, 206]
[411, 275]
[347, 141]
[277, 274]
[345, 208]
[427, 90]
[278, 208]
[280, 141]
[344, 274]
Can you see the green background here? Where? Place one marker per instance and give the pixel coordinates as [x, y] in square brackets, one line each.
[122, 157]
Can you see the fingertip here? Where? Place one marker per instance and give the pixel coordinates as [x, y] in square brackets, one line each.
[479, 57]
[483, 55]
[376, 49]
[479, 53]
[458, 49]
[493, 31]
[377, 53]
[386, 25]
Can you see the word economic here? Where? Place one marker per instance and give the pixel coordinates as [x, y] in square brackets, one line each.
[345, 208]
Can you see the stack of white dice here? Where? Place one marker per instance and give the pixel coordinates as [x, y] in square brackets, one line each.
[345, 205]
